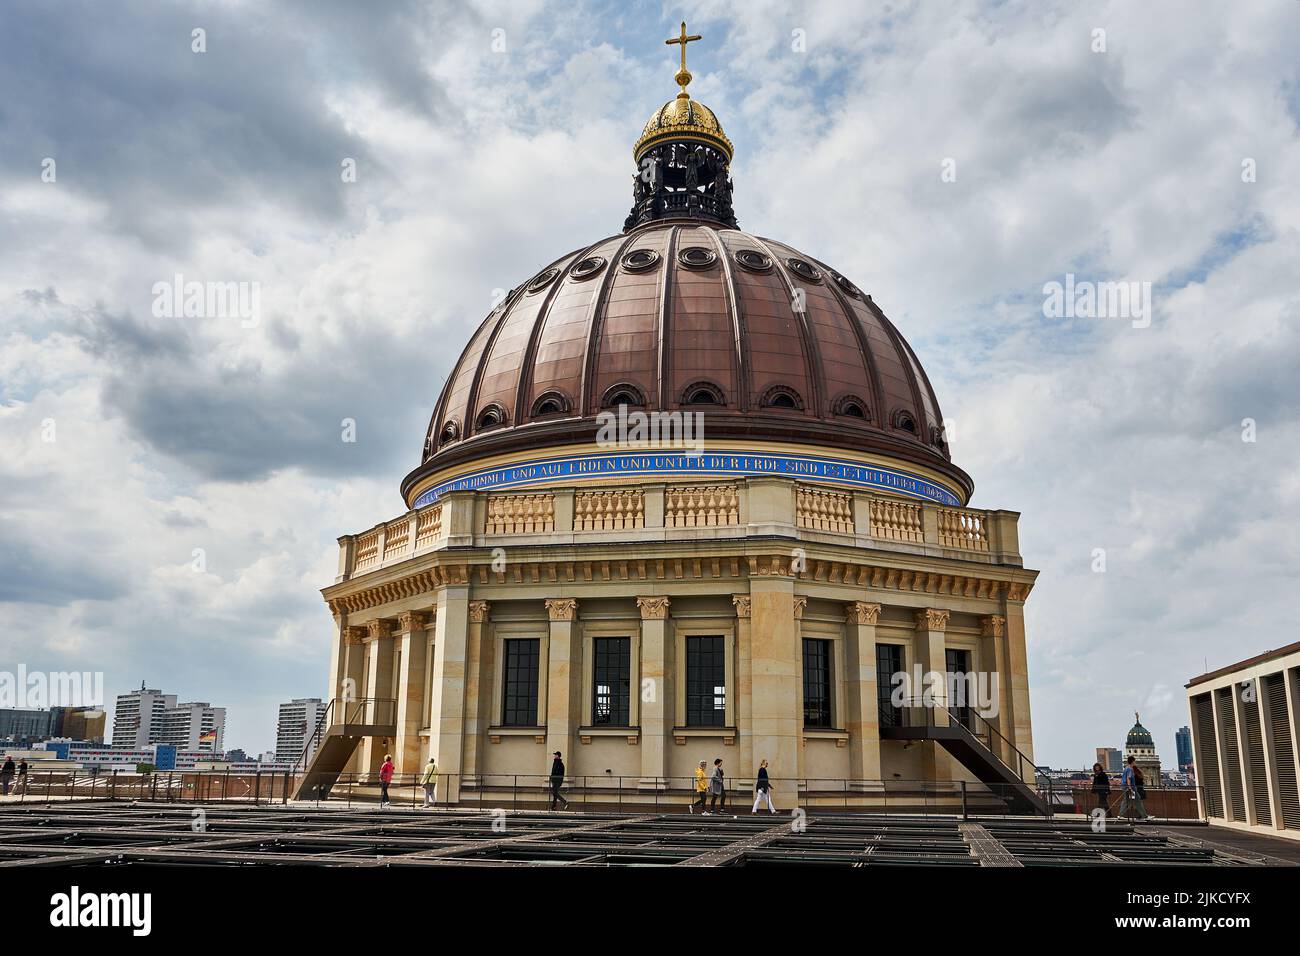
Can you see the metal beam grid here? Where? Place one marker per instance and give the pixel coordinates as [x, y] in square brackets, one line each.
[1076, 843]
[105, 833]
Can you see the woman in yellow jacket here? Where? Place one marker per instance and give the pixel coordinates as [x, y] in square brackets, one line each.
[701, 787]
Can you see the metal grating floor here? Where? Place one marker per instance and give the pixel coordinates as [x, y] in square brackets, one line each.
[149, 835]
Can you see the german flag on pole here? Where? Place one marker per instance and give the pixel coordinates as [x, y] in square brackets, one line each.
[208, 737]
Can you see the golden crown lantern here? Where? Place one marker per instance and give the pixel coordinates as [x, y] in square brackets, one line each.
[681, 118]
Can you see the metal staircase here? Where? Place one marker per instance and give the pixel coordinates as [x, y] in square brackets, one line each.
[975, 743]
[338, 733]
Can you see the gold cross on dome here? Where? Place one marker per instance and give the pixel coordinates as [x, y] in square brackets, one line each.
[684, 76]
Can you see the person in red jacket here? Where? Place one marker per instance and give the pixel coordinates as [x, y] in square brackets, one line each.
[385, 778]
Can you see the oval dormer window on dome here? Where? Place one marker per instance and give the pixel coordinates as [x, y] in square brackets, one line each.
[850, 406]
[904, 421]
[781, 396]
[450, 432]
[622, 394]
[703, 393]
[494, 416]
[550, 403]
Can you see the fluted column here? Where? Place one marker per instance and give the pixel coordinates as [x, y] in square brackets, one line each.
[863, 724]
[447, 724]
[928, 648]
[379, 688]
[777, 711]
[747, 764]
[563, 680]
[349, 690]
[993, 655]
[1018, 670]
[478, 667]
[655, 714]
[411, 709]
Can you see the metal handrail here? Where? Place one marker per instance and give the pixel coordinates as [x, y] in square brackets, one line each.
[958, 719]
[362, 704]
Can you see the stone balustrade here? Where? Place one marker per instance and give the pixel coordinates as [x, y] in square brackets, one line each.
[659, 511]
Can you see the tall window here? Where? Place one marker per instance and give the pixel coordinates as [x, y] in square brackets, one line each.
[816, 683]
[611, 680]
[706, 682]
[521, 662]
[960, 682]
[889, 661]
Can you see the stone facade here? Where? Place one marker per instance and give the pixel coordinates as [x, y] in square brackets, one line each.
[425, 604]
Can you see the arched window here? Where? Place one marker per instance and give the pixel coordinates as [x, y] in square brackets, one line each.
[622, 394]
[903, 420]
[850, 406]
[450, 432]
[550, 403]
[702, 393]
[781, 396]
[494, 416]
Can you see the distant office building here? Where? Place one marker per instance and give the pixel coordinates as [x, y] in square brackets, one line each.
[298, 719]
[138, 717]
[1247, 722]
[1183, 744]
[79, 723]
[267, 756]
[193, 726]
[1110, 758]
[237, 755]
[25, 726]
[1142, 749]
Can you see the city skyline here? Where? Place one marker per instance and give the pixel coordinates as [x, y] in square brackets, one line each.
[197, 469]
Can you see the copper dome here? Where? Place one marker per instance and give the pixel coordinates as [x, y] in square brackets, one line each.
[767, 342]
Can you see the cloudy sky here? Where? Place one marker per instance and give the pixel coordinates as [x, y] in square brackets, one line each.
[490, 138]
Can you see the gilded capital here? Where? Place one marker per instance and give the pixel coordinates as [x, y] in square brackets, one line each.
[742, 604]
[862, 612]
[409, 621]
[478, 611]
[932, 619]
[653, 608]
[562, 609]
[994, 625]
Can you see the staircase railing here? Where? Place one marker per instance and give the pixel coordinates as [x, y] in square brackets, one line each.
[964, 717]
[343, 711]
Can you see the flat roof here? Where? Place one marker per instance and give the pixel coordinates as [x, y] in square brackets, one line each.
[1248, 662]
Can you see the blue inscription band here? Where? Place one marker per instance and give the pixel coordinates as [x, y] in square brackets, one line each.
[835, 471]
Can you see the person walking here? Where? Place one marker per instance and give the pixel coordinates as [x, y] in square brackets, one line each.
[6, 775]
[762, 789]
[1134, 791]
[557, 781]
[385, 778]
[22, 776]
[430, 782]
[717, 786]
[701, 788]
[1101, 787]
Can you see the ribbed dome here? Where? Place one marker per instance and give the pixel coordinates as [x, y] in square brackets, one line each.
[768, 343]
[1139, 736]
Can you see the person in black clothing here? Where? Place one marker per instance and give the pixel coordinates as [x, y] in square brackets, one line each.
[1101, 786]
[6, 775]
[557, 780]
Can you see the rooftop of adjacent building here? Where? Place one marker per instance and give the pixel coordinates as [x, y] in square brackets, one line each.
[1248, 662]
